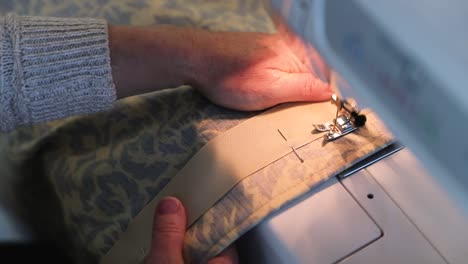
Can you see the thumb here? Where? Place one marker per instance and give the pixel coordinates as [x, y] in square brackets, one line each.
[168, 233]
[297, 87]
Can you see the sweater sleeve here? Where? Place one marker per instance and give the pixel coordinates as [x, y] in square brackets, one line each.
[51, 68]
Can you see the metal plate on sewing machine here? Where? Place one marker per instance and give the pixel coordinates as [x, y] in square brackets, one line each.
[402, 242]
[425, 202]
[325, 226]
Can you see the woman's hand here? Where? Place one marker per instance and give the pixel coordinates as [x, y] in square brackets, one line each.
[253, 71]
[168, 236]
[238, 70]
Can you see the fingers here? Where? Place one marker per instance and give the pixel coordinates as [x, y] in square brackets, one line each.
[168, 233]
[168, 236]
[305, 52]
[318, 64]
[298, 87]
[228, 256]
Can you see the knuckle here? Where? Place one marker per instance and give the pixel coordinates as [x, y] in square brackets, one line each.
[309, 88]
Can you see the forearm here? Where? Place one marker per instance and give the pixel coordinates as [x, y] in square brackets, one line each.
[52, 68]
[146, 59]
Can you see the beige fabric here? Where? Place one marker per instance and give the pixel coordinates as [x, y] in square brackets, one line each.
[224, 162]
[261, 194]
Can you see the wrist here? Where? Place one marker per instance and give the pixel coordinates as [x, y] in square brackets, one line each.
[146, 59]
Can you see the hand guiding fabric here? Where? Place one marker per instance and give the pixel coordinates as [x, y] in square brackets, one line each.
[168, 236]
[238, 70]
[254, 71]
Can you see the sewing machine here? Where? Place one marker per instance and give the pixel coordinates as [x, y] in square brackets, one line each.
[407, 60]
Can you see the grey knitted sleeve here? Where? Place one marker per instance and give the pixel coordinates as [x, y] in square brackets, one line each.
[52, 68]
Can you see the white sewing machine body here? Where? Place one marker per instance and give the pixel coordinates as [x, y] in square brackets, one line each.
[407, 60]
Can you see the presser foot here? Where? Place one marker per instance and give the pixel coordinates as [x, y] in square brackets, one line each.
[347, 120]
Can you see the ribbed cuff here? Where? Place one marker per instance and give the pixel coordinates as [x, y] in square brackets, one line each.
[52, 68]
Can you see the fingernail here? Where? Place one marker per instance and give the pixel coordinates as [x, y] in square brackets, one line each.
[167, 206]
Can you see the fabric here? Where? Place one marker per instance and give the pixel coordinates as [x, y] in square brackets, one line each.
[231, 159]
[223, 163]
[104, 168]
[51, 68]
[260, 195]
